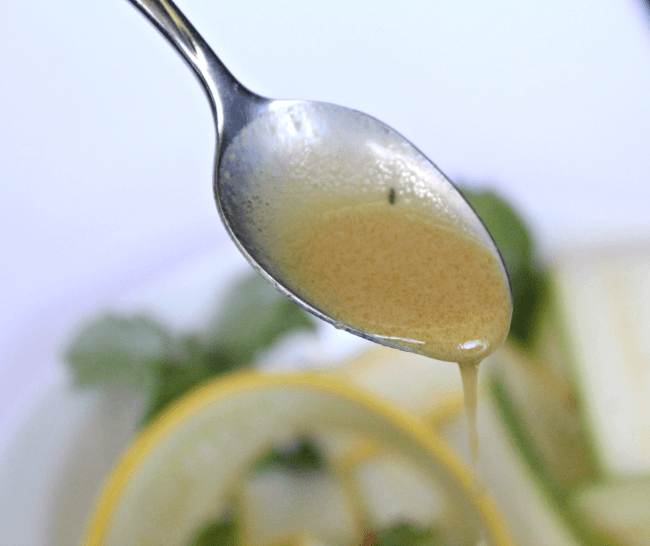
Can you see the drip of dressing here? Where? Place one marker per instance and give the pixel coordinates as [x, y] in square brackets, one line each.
[469, 376]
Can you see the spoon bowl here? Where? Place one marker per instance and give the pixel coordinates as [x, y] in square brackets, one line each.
[275, 159]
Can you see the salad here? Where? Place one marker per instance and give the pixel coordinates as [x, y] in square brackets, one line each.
[539, 401]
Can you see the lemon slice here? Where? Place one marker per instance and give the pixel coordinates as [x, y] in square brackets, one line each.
[193, 465]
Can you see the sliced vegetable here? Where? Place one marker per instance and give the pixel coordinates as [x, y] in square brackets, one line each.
[617, 512]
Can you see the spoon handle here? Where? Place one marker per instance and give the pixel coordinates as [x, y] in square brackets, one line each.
[222, 88]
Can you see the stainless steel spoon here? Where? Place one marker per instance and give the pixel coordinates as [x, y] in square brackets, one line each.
[262, 143]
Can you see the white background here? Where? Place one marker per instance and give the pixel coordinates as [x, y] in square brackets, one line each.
[106, 139]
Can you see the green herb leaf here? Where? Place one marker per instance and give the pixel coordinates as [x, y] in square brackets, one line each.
[139, 352]
[407, 534]
[528, 278]
[174, 377]
[301, 455]
[254, 317]
[172, 381]
[218, 533]
[118, 350]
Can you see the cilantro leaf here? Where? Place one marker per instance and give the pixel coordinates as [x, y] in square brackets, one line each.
[528, 278]
[176, 376]
[255, 311]
[301, 455]
[255, 316]
[139, 352]
[118, 350]
[406, 534]
[218, 533]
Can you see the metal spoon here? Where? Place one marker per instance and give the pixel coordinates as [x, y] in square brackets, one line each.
[261, 141]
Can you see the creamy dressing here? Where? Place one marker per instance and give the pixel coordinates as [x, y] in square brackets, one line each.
[393, 272]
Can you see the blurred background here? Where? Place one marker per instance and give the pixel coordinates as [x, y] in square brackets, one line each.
[107, 141]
